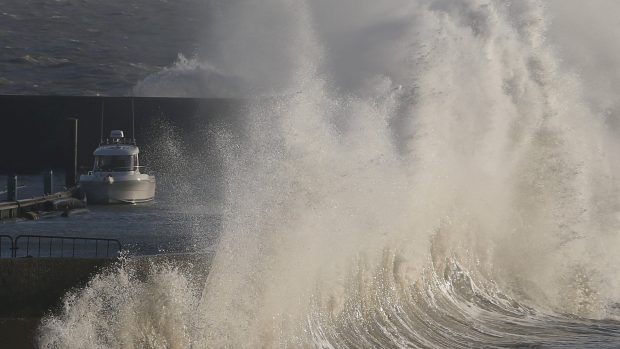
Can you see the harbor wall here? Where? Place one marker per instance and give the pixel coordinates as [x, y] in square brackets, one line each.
[34, 130]
[33, 287]
[30, 287]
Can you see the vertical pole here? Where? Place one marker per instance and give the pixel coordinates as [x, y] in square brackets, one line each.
[72, 145]
[133, 123]
[101, 126]
[48, 183]
[11, 187]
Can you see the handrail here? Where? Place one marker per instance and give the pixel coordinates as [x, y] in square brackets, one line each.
[117, 169]
[10, 245]
[114, 141]
[36, 245]
[18, 187]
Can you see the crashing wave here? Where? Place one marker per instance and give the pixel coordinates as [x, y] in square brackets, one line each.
[458, 193]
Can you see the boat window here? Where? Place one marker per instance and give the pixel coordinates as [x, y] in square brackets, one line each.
[114, 163]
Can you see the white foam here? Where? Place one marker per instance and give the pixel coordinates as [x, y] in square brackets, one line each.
[445, 140]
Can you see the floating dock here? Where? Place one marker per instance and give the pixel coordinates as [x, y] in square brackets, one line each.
[29, 208]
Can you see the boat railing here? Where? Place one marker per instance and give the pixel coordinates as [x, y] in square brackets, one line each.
[114, 141]
[48, 246]
[117, 169]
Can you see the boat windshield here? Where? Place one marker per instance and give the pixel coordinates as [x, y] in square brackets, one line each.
[116, 163]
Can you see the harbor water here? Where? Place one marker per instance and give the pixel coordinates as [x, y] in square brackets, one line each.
[163, 226]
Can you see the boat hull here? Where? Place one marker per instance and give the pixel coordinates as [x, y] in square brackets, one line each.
[119, 191]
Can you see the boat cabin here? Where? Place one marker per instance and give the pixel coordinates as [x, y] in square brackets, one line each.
[116, 163]
[116, 154]
[116, 177]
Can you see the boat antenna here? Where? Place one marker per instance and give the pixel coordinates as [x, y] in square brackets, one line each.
[101, 132]
[133, 122]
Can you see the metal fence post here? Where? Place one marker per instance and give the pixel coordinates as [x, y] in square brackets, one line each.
[11, 187]
[71, 162]
[48, 183]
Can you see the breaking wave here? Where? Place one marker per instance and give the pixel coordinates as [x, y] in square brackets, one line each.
[430, 178]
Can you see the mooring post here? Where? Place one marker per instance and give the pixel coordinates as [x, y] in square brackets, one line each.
[48, 182]
[11, 187]
[72, 152]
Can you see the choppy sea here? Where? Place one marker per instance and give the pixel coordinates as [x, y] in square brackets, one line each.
[88, 47]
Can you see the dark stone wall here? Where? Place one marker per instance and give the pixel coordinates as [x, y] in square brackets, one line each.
[33, 287]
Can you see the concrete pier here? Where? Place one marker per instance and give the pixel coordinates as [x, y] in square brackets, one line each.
[22, 208]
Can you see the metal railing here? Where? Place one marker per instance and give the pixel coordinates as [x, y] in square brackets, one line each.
[62, 247]
[114, 141]
[6, 247]
[116, 169]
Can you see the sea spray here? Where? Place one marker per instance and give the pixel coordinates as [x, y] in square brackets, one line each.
[131, 304]
[457, 193]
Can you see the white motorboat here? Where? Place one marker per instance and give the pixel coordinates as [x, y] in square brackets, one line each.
[116, 176]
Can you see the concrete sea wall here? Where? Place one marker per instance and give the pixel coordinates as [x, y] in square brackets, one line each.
[33, 287]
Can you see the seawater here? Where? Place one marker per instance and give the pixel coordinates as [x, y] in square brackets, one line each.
[81, 48]
[163, 226]
[429, 175]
